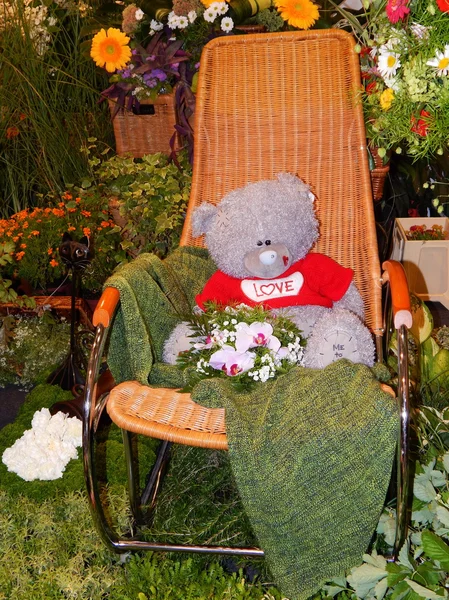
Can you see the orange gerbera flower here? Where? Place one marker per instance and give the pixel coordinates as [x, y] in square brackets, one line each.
[301, 14]
[110, 49]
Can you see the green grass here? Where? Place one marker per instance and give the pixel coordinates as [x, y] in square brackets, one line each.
[50, 100]
[49, 547]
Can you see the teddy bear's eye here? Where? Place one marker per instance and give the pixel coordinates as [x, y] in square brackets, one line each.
[259, 243]
[268, 242]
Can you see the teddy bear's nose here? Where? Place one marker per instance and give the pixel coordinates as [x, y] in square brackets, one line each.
[268, 257]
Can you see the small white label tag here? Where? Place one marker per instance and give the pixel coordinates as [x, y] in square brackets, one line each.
[259, 290]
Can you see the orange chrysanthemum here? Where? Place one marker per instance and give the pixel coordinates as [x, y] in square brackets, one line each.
[301, 14]
[86, 231]
[54, 263]
[20, 255]
[110, 49]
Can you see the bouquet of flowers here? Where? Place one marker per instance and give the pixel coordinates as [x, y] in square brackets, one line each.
[404, 55]
[246, 344]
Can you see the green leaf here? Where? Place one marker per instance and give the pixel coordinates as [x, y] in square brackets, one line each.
[396, 573]
[435, 548]
[424, 592]
[429, 572]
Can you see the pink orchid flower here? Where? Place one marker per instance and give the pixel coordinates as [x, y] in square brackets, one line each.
[205, 344]
[254, 335]
[232, 362]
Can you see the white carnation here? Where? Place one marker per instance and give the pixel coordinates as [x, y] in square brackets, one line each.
[44, 451]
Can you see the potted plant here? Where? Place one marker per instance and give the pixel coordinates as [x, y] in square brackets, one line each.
[157, 57]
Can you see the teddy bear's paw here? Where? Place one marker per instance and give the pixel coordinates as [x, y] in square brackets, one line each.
[179, 341]
[339, 334]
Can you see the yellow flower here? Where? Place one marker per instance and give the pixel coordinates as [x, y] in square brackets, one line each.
[301, 14]
[386, 98]
[110, 49]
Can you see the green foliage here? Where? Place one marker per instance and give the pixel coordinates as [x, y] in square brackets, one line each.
[31, 346]
[7, 293]
[152, 195]
[48, 101]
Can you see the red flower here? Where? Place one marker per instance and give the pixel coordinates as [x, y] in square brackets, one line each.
[422, 125]
[371, 87]
[443, 5]
[396, 10]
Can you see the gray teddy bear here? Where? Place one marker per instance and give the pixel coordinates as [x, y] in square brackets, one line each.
[260, 238]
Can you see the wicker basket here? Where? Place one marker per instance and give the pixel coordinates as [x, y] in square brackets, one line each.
[378, 175]
[147, 133]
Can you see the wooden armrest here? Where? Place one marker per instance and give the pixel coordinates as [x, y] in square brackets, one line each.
[106, 306]
[400, 297]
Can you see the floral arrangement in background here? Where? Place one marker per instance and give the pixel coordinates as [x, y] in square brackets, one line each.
[247, 344]
[149, 56]
[422, 232]
[404, 55]
[38, 19]
[37, 233]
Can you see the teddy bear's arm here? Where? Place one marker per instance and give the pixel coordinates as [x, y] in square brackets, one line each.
[352, 301]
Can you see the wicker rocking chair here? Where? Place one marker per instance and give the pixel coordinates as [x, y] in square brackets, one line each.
[266, 103]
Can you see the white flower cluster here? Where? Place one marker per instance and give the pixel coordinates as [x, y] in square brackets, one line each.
[178, 21]
[216, 9]
[44, 451]
[33, 19]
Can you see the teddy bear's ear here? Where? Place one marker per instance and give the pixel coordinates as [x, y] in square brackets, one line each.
[295, 185]
[202, 218]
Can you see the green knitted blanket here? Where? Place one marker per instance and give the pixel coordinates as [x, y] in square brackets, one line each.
[311, 452]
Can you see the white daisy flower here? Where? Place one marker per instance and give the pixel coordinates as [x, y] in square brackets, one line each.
[388, 63]
[221, 7]
[139, 14]
[441, 61]
[156, 25]
[183, 22]
[209, 15]
[227, 24]
[172, 20]
[192, 16]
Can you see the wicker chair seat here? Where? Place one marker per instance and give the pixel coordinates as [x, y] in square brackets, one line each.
[166, 414]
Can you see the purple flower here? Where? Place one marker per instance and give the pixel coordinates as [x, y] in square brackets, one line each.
[159, 74]
[126, 73]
